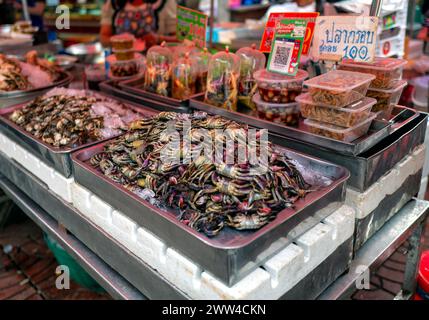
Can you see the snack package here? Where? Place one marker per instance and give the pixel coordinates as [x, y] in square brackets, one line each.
[185, 72]
[222, 80]
[158, 70]
[251, 60]
[386, 98]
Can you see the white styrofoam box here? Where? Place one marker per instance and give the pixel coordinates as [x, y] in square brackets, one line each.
[270, 282]
[100, 208]
[7, 146]
[364, 203]
[423, 188]
[61, 185]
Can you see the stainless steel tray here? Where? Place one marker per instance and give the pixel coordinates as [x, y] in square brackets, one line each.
[232, 254]
[135, 86]
[409, 127]
[378, 130]
[12, 98]
[111, 87]
[58, 158]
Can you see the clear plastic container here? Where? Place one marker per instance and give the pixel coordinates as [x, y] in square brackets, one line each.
[158, 70]
[124, 54]
[274, 87]
[126, 68]
[338, 88]
[386, 98]
[251, 60]
[340, 133]
[203, 58]
[385, 70]
[222, 80]
[185, 72]
[122, 42]
[344, 117]
[287, 113]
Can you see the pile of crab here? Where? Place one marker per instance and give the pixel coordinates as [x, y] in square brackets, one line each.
[70, 118]
[153, 157]
[32, 73]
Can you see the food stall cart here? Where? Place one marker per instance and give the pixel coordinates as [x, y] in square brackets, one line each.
[359, 210]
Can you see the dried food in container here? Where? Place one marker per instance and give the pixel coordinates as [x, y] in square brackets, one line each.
[338, 88]
[122, 42]
[278, 88]
[286, 113]
[124, 54]
[339, 133]
[386, 98]
[185, 72]
[251, 60]
[158, 70]
[203, 59]
[222, 80]
[348, 116]
[125, 68]
[386, 70]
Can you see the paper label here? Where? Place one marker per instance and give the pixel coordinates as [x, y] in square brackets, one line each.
[337, 37]
[275, 23]
[287, 47]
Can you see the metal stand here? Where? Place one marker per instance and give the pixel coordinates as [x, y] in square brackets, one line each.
[125, 276]
[406, 224]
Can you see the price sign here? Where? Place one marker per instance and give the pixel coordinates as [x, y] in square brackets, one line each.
[191, 25]
[276, 21]
[337, 37]
[286, 48]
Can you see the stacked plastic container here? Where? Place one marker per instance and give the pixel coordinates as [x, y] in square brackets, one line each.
[275, 100]
[335, 105]
[124, 62]
[387, 86]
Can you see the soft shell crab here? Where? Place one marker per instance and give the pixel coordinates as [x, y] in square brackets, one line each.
[208, 195]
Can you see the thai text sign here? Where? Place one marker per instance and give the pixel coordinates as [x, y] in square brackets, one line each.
[191, 25]
[337, 37]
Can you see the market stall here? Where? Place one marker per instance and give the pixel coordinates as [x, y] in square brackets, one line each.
[128, 180]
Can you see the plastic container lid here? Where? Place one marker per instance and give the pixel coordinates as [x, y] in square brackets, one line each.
[158, 55]
[340, 80]
[420, 93]
[122, 38]
[379, 63]
[399, 85]
[137, 58]
[357, 106]
[259, 102]
[251, 57]
[337, 129]
[265, 76]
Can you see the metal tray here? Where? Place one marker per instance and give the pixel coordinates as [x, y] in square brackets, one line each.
[12, 98]
[232, 254]
[409, 127]
[378, 130]
[58, 158]
[135, 86]
[111, 87]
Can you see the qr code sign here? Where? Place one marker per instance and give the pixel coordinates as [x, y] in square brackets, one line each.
[281, 56]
